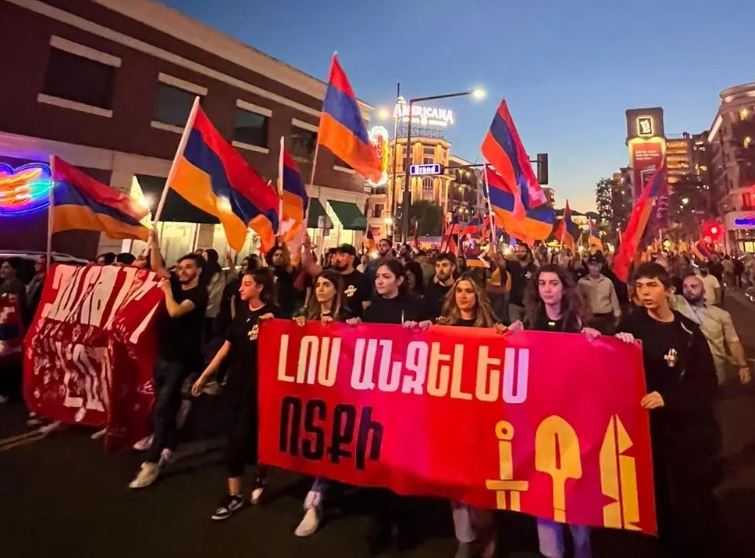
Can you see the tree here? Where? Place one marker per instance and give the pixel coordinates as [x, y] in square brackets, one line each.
[603, 197]
[613, 199]
[429, 217]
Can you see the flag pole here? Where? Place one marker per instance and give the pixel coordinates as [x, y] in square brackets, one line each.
[174, 165]
[491, 217]
[50, 205]
[280, 187]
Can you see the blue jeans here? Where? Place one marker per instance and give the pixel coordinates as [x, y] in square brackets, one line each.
[168, 377]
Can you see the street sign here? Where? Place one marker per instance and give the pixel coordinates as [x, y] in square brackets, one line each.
[425, 170]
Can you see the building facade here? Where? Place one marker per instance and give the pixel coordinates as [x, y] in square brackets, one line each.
[107, 85]
[731, 145]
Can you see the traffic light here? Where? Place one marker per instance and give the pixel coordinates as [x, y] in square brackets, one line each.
[542, 168]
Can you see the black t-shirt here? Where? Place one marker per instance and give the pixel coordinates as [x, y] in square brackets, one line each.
[356, 290]
[464, 323]
[242, 358]
[544, 323]
[520, 278]
[287, 296]
[180, 339]
[435, 295]
[403, 308]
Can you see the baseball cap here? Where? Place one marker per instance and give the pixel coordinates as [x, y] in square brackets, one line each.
[346, 249]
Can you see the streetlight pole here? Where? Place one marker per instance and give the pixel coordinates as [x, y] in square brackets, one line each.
[406, 198]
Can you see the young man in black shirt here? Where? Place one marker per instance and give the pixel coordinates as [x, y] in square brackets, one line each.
[681, 384]
[287, 298]
[443, 280]
[521, 270]
[179, 353]
[357, 288]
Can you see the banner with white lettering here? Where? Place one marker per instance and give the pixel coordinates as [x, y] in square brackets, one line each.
[90, 350]
[548, 424]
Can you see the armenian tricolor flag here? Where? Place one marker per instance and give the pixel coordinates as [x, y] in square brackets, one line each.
[503, 149]
[567, 232]
[535, 224]
[594, 238]
[79, 202]
[294, 198]
[638, 220]
[342, 129]
[213, 176]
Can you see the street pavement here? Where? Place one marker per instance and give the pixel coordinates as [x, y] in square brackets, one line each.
[61, 495]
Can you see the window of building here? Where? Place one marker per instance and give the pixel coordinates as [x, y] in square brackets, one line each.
[172, 105]
[427, 184]
[302, 143]
[428, 159]
[73, 77]
[250, 128]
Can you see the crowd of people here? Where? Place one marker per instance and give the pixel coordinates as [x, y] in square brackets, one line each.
[207, 335]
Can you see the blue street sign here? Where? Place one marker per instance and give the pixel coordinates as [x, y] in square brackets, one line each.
[425, 170]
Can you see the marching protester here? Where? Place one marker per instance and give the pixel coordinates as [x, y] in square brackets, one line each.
[467, 305]
[552, 303]
[34, 288]
[392, 304]
[521, 271]
[215, 279]
[415, 282]
[288, 299]
[712, 287]
[681, 381]
[435, 294]
[10, 283]
[599, 294]
[385, 253]
[327, 303]
[179, 337]
[108, 258]
[124, 259]
[357, 288]
[257, 291]
[716, 325]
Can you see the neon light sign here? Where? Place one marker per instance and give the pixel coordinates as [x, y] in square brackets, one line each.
[24, 189]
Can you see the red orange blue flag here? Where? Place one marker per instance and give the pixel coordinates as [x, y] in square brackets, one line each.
[342, 128]
[294, 198]
[211, 175]
[82, 203]
[567, 232]
[503, 148]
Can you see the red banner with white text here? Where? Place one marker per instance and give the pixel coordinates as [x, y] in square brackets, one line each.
[548, 424]
[90, 350]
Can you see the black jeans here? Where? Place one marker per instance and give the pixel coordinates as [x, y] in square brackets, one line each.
[168, 378]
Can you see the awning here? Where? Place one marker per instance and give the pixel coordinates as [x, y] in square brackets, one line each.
[349, 215]
[316, 210]
[176, 209]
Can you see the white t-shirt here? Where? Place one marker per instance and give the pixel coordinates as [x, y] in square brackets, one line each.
[710, 284]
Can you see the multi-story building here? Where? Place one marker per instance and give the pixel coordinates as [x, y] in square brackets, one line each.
[108, 84]
[732, 165]
[678, 158]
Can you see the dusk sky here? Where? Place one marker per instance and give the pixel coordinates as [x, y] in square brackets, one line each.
[567, 69]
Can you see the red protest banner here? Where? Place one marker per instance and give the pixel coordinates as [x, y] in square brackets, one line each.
[543, 423]
[90, 350]
[11, 327]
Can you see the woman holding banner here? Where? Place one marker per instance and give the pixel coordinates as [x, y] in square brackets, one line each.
[552, 303]
[257, 292]
[325, 304]
[467, 305]
[392, 304]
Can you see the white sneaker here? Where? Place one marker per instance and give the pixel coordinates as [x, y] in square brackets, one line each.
[99, 434]
[309, 523]
[256, 495]
[146, 475]
[144, 444]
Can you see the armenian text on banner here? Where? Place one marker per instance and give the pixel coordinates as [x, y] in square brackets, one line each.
[89, 352]
[548, 424]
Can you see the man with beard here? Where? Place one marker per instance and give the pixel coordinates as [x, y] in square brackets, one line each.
[357, 289]
[681, 384]
[435, 294]
[521, 270]
[385, 251]
[179, 353]
[717, 326]
[286, 296]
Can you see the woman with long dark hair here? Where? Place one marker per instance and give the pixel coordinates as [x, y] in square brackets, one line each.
[324, 304]
[258, 295]
[415, 283]
[552, 303]
[392, 304]
[467, 305]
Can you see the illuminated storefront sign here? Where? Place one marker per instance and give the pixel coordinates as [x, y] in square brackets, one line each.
[645, 157]
[424, 116]
[745, 222]
[24, 189]
[379, 140]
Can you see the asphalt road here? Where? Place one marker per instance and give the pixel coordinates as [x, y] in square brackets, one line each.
[63, 496]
